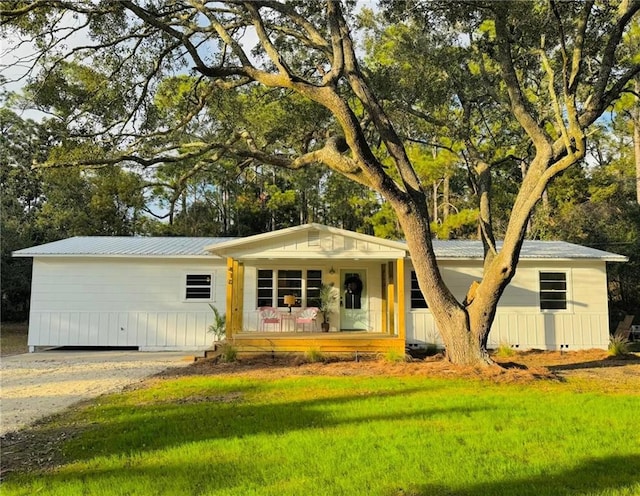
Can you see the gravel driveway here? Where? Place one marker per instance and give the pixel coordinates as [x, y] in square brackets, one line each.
[37, 385]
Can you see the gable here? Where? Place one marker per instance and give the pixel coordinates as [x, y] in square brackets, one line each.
[311, 241]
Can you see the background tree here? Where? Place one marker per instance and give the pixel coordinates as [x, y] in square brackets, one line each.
[20, 142]
[43, 205]
[595, 205]
[552, 67]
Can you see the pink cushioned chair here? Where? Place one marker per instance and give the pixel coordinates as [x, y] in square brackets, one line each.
[307, 316]
[269, 316]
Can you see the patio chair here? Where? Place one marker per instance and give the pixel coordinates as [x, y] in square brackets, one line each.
[269, 316]
[307, 316]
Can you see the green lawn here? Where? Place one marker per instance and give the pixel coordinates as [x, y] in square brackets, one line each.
[348, 436]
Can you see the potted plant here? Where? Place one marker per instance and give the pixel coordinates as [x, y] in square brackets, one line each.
[328, 299]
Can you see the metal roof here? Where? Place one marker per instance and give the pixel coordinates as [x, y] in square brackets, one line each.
[195, 247]
[123, 246]
[531, 250]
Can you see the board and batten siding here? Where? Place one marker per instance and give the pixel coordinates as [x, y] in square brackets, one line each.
[121, 302]
[519, 321]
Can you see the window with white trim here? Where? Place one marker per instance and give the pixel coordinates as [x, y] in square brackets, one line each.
[314, 281]
[265, 288]
[417, 298]
[289, 283]
[198, 286]
[553, 291]
[273, 286]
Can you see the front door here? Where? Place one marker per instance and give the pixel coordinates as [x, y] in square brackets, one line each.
[354, 303]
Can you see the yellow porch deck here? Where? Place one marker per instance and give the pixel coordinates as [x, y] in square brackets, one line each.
[328, 342]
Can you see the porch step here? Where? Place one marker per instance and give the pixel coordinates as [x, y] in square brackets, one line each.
[210, 354]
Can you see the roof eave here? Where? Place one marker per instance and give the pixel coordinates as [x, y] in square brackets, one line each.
[113, 255]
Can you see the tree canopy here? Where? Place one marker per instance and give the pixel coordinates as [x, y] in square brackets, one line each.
[405, 100]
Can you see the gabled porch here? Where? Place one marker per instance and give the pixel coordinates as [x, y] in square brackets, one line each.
[269, 270]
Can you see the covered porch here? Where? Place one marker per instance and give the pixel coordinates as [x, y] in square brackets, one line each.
[283, 272]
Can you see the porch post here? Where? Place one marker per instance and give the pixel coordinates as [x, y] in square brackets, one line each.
[384, 306]
[391, 298]
[401, 300]
[230, 292]
[238, 295]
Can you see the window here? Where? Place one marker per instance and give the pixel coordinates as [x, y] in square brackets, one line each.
[289, 282]
[265, 288]
[305, 285]
[417, 298]
[314, 281]
[553, 291]
[198, 286]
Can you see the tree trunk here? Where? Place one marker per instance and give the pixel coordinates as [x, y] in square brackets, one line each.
[465, 328]
[636, 139]
[464, 345]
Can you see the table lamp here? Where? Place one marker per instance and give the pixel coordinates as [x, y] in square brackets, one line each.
[289, 300]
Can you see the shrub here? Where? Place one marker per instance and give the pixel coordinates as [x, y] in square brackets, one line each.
[505, 350]
[228, 353]
[394, 356]
[618, 345]
[314, 355]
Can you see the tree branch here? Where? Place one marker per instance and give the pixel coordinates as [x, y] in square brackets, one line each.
[518, 105]
[608, 59]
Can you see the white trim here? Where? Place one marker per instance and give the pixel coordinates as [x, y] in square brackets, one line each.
[212, 287]
[274, 280]
[568, 293]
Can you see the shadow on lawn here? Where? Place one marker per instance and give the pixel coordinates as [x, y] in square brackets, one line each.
[207, 475]
[621, 361]
[593, 476]
[159, 426]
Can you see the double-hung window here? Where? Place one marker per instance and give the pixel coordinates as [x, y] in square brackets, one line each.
[553, 291]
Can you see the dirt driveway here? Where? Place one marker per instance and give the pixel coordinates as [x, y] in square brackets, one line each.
[37, 385]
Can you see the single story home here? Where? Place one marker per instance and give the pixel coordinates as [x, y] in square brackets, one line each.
[156, 293]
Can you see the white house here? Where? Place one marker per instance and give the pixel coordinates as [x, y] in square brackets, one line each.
[156, 293]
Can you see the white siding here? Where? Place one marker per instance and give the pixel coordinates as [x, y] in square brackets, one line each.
[140, 302]
[519, 321]
[121, 302]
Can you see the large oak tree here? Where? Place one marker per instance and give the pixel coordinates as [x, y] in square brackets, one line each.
[555, 67]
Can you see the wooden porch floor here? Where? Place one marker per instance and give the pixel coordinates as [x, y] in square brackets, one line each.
[328, 342]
